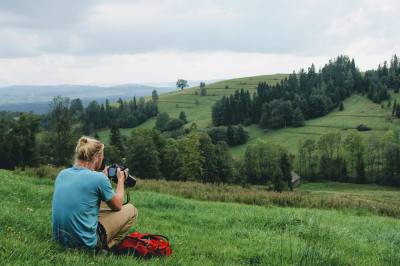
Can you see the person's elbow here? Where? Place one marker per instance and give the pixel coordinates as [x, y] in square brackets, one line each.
[115, 203]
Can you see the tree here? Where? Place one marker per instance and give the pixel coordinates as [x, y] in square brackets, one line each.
[230, 136]
[181, 84]
[203, 89]
[61, 127]
[154, 96]
[25, 135]
[162, 120]
[277, 180]
[173, 124]
[192, 160]
[182, 116]
[284, 165]
[298, 118]
[142, 155]
[116, 140]
[76, 108]
[354, 148]
[341, 107]
[171, 161]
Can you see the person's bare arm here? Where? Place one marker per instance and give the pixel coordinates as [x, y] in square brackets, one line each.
[116, 202]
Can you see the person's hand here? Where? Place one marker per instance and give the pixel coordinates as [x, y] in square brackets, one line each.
[122, 174]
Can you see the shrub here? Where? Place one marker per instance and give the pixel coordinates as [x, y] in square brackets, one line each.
[363, 127]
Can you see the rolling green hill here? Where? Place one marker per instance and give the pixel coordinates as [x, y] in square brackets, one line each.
[358, 110]
[203, 233]
[175, 102]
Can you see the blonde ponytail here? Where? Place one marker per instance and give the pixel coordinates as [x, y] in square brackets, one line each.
[87, 149]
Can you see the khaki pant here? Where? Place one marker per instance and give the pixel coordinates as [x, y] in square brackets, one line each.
[116, 224]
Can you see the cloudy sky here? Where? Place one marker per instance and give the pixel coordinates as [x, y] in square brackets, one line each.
[128, 41]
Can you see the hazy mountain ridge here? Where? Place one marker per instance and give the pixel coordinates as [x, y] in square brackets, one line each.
[36, 98]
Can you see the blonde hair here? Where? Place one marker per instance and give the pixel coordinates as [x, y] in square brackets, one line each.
[87, 149]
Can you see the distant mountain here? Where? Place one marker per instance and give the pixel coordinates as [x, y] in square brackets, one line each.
[24, 98]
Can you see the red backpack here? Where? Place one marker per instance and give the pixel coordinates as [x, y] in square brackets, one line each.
[144, 246]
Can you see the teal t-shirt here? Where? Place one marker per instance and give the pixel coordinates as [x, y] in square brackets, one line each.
[75, 206]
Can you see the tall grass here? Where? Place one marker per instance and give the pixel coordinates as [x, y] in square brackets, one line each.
[379, 202]
[201, 233]
[254, 195]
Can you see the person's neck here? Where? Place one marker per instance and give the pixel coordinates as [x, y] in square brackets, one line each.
[87, 165]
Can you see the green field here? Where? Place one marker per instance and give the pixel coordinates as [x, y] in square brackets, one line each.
[206, 233]
[358, 110]
[175, 102]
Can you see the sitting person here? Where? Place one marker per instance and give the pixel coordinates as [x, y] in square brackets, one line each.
[80, 216]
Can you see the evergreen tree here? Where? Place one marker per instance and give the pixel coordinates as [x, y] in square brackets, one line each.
[230, 136]
[162, 120]
[116, 140]
[61, 127]
[298, 118]
[154, 96]
[341, 107]
[285, 167]
[277, 180]
[142, 155]
[182, 116]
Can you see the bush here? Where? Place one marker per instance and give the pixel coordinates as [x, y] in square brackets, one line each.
[363, 127]
[43, 171]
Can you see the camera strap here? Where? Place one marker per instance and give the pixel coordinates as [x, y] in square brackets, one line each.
[128, 197]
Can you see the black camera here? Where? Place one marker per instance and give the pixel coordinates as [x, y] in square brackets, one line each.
[130, 181]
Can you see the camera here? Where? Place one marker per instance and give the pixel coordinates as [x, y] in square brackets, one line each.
[130, 181]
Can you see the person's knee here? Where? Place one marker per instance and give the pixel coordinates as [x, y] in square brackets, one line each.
[132, 210]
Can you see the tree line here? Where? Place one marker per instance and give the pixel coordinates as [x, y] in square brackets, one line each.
[194, 156]
[306, 94]
[353, 158]
[27, 139]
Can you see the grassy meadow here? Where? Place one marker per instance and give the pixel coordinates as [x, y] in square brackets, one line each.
[357, 110]
[185, 100]
[206, 233]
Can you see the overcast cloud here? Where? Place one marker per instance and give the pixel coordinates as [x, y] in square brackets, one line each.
[114, 42]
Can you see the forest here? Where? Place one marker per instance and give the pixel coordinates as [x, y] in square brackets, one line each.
[306, 94]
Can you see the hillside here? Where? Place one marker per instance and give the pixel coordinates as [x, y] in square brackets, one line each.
[202, 233]
[185, 100]
[358, 110]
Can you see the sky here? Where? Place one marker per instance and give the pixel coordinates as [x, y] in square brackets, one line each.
[104, 42]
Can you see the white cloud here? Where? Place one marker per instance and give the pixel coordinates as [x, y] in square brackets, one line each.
[120, 41]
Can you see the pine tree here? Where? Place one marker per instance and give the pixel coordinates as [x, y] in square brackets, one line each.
[298, 118]
[154, 96]
[277, 180]
[341, 107]
[284, 165]
[182, 116]
[230, 135]
[116, 141]
[398, 111]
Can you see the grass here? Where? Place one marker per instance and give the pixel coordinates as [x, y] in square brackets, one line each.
[175, 102]
[358, 110]
[204, 233]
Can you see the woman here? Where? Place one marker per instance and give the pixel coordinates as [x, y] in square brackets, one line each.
[77, 219]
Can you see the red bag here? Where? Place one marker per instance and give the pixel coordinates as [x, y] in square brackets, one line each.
[144, 246]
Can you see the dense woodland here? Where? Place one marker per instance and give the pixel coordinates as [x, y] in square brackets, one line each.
[176, 152]
[306, 94]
